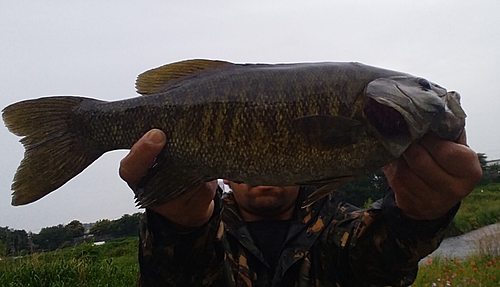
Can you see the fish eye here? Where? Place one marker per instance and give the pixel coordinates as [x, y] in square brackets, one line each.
[424, 83]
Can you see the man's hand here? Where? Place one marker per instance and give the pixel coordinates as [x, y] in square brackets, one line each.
[432, 176]
[192, 209]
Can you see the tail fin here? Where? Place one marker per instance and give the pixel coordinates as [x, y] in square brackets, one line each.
[55, 150]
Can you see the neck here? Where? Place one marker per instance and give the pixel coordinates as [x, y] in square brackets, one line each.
[285, 215]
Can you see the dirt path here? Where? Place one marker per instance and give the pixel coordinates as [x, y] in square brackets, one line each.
[483, 240]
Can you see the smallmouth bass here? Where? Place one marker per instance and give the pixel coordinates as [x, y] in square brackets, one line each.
[317, 124]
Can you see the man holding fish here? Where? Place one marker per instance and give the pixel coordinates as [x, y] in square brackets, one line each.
[284, 137]
[259, 235]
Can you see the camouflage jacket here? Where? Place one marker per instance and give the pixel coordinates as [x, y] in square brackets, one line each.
[330, 243]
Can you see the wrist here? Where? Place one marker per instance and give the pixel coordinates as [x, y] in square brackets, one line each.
[431, 210]
[424, 214]
[406, 226]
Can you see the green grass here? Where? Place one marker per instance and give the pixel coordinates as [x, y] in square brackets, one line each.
[116, 265]
[112, 264]
[480, 208]
[477, 270]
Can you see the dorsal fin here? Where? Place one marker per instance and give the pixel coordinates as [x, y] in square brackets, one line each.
[159, 79]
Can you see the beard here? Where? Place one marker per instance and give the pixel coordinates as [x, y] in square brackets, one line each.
[268, 202]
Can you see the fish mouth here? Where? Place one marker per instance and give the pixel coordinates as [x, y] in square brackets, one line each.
[387, 120]
[391, 125]
[405, 108]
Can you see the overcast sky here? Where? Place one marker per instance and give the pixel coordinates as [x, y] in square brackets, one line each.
[97, 48]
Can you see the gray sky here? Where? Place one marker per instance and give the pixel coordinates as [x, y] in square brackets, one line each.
[97, 48]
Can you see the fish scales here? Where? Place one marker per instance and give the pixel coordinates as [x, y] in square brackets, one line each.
[122, 117]
[285, 124]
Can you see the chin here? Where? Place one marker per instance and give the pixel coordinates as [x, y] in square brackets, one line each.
[268, 205]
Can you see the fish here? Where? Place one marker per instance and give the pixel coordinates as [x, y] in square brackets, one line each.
[320, 124]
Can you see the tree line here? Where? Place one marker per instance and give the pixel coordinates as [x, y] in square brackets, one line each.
[368, 188]
[491, 173]
[14, 242]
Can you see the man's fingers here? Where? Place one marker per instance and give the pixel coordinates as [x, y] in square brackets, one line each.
[432, 175]
[400, 175]
[454, 158]
[423, 164]
[141, 156]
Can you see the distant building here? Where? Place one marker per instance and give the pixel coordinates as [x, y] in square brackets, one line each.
[87, 226]
[92, 237]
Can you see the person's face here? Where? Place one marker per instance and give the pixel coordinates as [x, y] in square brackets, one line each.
[261, 202]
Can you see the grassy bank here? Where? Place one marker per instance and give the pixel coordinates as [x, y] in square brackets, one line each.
[479, 270]
[115, 264]
[112, 264]
[480, 208]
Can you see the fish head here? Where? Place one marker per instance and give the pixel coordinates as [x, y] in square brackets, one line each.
[405, 108]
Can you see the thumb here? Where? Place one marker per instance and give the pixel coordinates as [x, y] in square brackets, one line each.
[136, 164]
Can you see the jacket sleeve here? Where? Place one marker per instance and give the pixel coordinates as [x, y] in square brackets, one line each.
[169, 257]
[381, 246]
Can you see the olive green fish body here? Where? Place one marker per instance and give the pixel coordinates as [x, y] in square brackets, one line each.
[289, 124]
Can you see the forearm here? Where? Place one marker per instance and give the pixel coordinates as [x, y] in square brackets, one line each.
[393, 244]
[383, 246]
[177, 238]
[168, 254]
